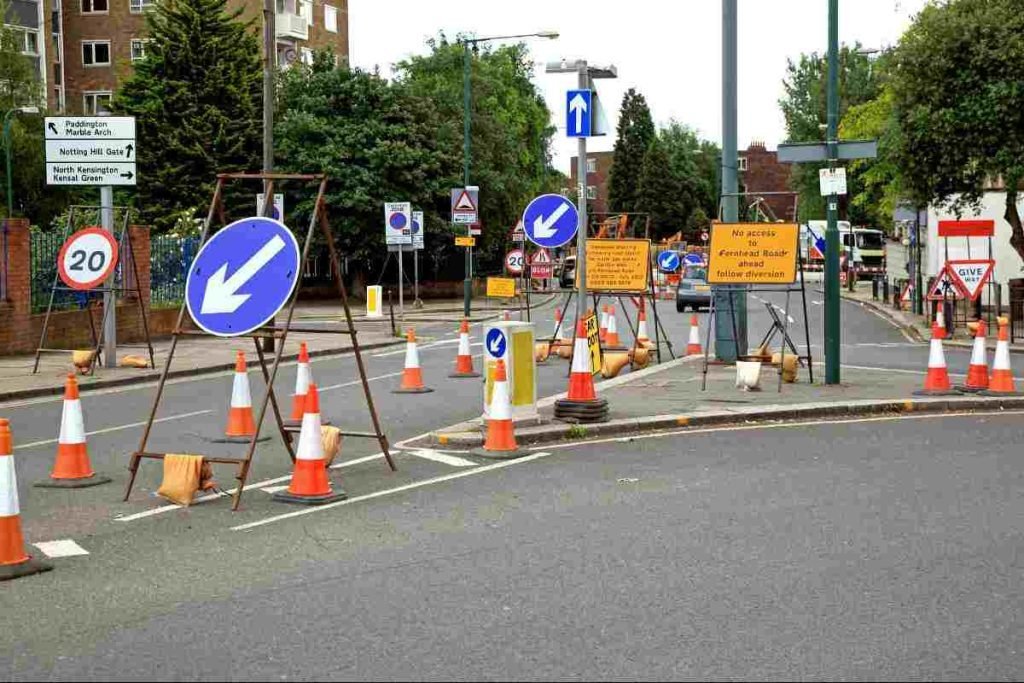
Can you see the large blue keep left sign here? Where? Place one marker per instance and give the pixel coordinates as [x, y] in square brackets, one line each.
[242, 276]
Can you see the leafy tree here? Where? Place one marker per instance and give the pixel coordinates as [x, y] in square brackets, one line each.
[877, 182]
[665, 194]
[19, 82]
[804, 108]
[957, 92]
[196, 97]
[633, 138]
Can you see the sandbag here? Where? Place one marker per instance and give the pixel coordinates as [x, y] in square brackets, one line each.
[182, 474]
[330, 439]
[134, 362]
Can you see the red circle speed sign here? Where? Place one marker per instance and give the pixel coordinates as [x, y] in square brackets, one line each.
[514, 261]
[87, 258]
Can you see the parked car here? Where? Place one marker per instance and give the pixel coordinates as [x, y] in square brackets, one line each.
[567, 273]
[694, 290]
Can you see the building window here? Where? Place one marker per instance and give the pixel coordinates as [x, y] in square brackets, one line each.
[139, 6]
[307, 56]
[591, 192]
[331, 18]
[96, 52]
[95, 102]
[95, 7]
[138, 49]
[591, 166]
[741, 164]
[58, 98]
[26, 39]
[306, 12]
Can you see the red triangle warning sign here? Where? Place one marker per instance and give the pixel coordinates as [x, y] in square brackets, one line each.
[970, 276]
[464, 202]
[943, 287]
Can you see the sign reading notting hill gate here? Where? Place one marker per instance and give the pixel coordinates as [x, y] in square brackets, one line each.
[753, 253]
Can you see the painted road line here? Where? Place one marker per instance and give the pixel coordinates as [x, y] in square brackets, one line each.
[387, 492]
[62, 548]
[443, 342]
[438, 456]
[332, 387]
[816, 303]
[119, 428]
[274, 489]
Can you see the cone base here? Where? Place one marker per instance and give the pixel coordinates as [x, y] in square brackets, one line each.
[27, 568]
[285, 497]
[83, 483]
[937, 392]
[581, 412]
[416, 390]
[963, 388]
[234, 439]
[499, 455]
[996, 394]
[464, 374]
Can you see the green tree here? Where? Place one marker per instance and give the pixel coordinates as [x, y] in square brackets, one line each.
[804, 108]
[633, 138]
[197, 100]
[666, 194]
[19, 82]
[877, 182]
[957, 91]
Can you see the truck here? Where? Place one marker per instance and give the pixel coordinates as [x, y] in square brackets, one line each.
[864, 248]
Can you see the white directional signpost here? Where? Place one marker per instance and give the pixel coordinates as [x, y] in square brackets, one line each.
[398, 232]
[417, 246]
[94, 150]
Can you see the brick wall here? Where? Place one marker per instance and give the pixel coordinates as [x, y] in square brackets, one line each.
[20, 330]
[764, 173]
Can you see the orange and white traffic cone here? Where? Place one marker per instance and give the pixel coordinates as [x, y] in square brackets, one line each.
[310, 484]
[612, 336]
[1001, 381]
[464, 359]
[642, 337]
[506, 316]
[977, 371]
[940, 321]
[501, 439]
[412, 375]
[602, 329]
[936, 382]
[581, 378]
[14, 561]
[240, 419]
[303, 378]
[72, 469]
[693, 345]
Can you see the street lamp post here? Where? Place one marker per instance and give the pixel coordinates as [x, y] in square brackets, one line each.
[8, 119]
[467, 44]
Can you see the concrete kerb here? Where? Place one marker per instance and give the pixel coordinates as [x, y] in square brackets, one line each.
[154, 375]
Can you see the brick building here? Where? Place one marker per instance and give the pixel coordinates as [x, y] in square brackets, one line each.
[85, 48]
[599, 164]
[760, 171]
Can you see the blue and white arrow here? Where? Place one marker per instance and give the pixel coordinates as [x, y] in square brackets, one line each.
[221, 294]
[495, 347]
[544, 228]
[578, 106]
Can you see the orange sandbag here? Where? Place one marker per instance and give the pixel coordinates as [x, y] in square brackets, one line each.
[134, 362]
[330, 438]
[182, 474]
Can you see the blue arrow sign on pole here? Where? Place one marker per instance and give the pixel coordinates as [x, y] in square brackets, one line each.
[693, 260]
[578, 113]
[242, 276]
[550, 220]
[668, 261]
[495, 343]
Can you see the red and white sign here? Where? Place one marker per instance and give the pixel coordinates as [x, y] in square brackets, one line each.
[942, 288]
[87, 258]
[970, 276]
[475, 229]
[704, 237]
[514, 261]
[975, 228]
[541, 266]
[518, 233]
[907, 293]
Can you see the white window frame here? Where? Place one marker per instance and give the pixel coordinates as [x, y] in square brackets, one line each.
[139, 6]
[95, 64]
[741, 163]
[591, 192]
[131, 48]
[304, 9]
[94, 94]
[306, 56]
[92, 3]
[591, 165]
[24, 38]
[333, 13]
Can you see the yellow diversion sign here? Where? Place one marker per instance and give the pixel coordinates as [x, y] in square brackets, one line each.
[594, 343]
[504, 287]
[753, 253]
[618, 265]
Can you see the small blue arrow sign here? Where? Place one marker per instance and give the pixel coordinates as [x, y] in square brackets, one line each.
[693, 260]
[550, 220]
[242, 276]
[668, 261]
[495, 343]
[578, 110]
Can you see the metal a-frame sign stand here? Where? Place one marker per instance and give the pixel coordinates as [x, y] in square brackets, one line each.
[280, 334]
[124, 242]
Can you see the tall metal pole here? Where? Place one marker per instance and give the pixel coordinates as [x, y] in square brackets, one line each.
[467, 284]
[832, 315]
[109, 296]
[581, 205]
[7, 153]
[269, 63]
[730, 301]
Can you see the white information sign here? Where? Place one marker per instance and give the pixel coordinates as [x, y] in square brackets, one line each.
[90, 150]
[832, 181]
[398, 223]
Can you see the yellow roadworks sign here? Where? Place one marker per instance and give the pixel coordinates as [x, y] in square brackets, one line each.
[618, 265]
[753, 253]
[594, 343]
[465, 241]
[503, 287]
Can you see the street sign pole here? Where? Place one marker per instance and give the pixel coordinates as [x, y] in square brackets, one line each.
[109, 296]
[581, 207]
[401, 286]
[832, 313]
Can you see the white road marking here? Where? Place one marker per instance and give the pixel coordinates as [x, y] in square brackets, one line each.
[119, 428]
[274, 489]
[62, 548]
[387, 492]
[817, 303]
[438, 456]
[422, 347]
[332, 387]
[790, 319]
[782, 425]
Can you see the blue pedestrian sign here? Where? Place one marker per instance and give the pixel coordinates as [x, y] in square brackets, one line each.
[579, 108]
[495, 343]
[668, 261]
[242, 276]
[693, 260]
[550, 220]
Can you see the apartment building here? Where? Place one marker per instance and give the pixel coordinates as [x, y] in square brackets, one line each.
[27, 17]
[92, 45]
[599, 165]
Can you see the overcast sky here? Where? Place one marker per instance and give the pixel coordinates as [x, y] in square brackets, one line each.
[668, 50]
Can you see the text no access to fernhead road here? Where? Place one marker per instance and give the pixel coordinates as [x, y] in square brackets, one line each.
[90, 150]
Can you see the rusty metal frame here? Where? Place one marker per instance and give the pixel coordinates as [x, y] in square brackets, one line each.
[318, 218]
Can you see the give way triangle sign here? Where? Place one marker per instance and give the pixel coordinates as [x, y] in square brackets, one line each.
[970, 275]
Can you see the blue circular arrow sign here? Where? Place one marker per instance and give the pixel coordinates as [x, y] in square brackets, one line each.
[693, 260]
[242, 276]
[668, 261]
[550, 220]
[495, 343]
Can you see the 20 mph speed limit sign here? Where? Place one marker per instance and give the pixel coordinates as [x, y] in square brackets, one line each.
[514, 261]
[87, 258]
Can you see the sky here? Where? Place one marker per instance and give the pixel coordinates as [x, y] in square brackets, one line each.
[668, 50]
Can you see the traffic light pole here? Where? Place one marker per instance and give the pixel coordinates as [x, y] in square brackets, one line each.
[832, 313]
